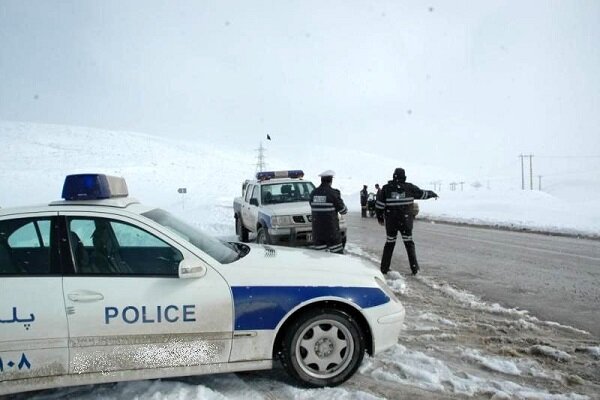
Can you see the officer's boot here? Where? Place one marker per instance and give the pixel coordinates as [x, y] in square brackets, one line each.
[386, 259]
[412, 256]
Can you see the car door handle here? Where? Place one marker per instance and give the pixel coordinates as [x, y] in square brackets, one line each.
[85, 296]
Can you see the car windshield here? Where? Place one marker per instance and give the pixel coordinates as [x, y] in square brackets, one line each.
[286, 192]
[220, 251]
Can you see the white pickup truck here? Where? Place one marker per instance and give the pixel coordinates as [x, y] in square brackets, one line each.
[275, 208]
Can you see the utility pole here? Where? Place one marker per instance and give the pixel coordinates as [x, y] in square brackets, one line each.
[260, 158]
[531, 171]
[461, 185]
[530, 156]
[522, 173]
[540, 183]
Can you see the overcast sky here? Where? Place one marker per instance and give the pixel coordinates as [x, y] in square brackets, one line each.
[461, 84]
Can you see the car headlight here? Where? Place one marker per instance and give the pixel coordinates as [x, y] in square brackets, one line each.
[386, 289]
[281, 220]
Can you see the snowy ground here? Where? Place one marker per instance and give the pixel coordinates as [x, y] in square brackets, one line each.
[454, 344]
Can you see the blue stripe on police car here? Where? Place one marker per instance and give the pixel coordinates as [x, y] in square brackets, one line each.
[265, 219]
[263, 307]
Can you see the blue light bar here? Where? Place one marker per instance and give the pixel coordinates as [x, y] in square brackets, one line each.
[261, 176]
[93, 187]
[294, 174]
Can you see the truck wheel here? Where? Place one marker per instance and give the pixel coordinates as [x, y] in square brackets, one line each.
[262, 236]
[240, 230]
[323, 348]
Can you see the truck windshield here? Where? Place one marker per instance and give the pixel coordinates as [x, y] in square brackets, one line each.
[215, 248]
[287, 192]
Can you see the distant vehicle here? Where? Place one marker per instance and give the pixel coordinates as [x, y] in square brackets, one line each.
[371, 200]
[100, 288]
[276, 208]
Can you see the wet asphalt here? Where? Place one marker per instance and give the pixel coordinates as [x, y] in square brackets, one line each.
[555, 278]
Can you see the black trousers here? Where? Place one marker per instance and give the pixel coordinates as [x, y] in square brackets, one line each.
[402, 223]
[330, 241]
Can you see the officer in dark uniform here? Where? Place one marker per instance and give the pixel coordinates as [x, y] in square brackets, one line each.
[325, 203]
[364, 195]
[394, 207]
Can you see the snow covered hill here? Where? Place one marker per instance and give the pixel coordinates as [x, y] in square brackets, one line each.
[36, 157]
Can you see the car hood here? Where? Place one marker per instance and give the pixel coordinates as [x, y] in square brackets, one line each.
[278, 265]
[299, 207]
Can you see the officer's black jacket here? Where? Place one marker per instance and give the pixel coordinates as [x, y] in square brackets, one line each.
[364, 195]
[396, 198]
[325, 204]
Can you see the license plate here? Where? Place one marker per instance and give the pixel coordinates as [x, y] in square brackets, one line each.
[309, 237]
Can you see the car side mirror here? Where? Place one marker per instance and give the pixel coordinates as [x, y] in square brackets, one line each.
[191, 269]
[254, 202]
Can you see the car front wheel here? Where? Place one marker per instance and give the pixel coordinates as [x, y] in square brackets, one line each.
[323, 348]
[262, 236]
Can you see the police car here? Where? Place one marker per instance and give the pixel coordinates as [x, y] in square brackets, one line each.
[100, 288]
[276, 208]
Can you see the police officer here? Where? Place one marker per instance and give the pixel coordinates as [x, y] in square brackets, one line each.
[377, 189]
[394, 208]
[364, 195]
[325, 203]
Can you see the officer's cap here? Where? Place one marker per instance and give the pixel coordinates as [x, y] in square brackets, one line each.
[327, 173]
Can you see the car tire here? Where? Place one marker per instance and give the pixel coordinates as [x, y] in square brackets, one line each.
[240, 230]
[262, 236]
[323, 347]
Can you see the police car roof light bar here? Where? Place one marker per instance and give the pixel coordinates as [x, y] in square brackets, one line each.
[93, 187]
[265, 175]
[296, 173]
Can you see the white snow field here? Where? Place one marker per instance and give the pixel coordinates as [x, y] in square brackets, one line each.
[511, 354]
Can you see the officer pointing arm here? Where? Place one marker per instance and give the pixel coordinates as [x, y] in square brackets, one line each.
[419, 194]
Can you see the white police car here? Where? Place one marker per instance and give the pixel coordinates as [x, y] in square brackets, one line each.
[99, 288]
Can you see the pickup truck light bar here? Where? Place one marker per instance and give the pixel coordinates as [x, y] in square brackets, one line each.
[265, 175]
